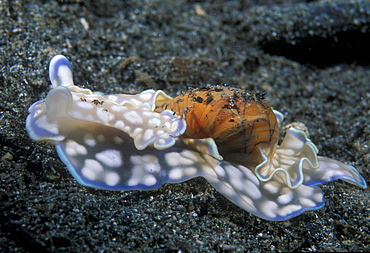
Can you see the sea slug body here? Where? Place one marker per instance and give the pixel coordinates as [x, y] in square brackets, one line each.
[224, 134]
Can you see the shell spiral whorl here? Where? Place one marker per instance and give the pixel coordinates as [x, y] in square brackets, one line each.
[240, 122]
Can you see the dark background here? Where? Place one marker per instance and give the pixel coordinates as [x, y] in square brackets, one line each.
[310, 57]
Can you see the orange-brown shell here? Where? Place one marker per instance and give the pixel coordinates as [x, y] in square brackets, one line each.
[238, 121]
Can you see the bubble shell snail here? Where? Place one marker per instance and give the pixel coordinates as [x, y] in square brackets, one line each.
[238, 121]
[226, 135]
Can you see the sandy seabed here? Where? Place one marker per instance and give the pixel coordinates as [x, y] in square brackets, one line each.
[311, 59]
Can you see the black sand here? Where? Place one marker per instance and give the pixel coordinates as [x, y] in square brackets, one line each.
[312, 59]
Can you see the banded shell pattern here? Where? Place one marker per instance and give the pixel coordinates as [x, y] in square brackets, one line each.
[239, 122]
